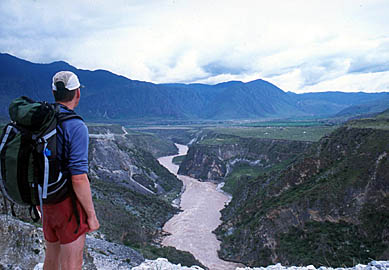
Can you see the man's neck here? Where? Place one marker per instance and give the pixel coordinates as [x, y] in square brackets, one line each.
[70, 105]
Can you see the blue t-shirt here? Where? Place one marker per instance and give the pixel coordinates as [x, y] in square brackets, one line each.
[75, 134]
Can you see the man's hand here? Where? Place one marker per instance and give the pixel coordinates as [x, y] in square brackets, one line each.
[93, 223]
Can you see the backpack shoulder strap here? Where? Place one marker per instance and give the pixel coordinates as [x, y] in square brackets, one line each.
[63, 116]
[66, 116]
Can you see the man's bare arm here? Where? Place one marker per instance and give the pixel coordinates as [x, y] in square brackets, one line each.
[82, 189]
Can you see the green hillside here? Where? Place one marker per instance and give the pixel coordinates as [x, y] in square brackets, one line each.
[329, 207]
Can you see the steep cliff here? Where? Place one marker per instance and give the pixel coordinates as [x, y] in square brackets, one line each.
[214, 156]
[116, 159]
[330, 207]
[131, 190]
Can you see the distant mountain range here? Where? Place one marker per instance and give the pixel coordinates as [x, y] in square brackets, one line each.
[109, 97]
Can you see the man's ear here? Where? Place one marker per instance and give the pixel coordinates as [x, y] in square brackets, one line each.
[78, 93]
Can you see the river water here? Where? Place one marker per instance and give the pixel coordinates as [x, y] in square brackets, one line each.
[191, 229]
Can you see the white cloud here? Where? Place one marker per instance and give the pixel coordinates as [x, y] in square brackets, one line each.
[298, 45]
[355, 82]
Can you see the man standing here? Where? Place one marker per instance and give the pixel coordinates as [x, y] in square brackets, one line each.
[64, 228]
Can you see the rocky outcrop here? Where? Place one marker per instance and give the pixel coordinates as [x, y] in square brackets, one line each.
[212, 162]
[157, 144]
[330, 207]
[22, 247]
[21, 244]
[105, 255]
[115, 158]
[163, 264]
[374, 265]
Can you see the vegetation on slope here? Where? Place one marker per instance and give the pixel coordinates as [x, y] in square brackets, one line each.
[327, 208]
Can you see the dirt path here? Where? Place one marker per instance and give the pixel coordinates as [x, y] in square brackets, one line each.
[191, 230]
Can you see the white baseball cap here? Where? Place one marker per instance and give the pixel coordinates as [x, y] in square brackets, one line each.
[69, 79]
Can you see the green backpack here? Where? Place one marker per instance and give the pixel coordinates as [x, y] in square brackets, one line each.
[30, 168]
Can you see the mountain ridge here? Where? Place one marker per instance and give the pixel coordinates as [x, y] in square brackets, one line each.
[111, 97]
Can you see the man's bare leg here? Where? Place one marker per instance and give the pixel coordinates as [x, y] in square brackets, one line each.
[71, 254]
[52, 256]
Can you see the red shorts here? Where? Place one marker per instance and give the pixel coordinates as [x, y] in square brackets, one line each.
[60, 223]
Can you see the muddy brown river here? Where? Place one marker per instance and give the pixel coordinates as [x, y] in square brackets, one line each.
[191, 229]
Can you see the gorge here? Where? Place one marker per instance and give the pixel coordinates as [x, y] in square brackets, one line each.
[319, 203]
[333, 196]
[326, 206]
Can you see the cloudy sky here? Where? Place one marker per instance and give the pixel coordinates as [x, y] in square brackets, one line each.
[300, 46]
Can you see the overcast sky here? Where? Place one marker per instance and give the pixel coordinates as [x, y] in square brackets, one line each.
[300, 46]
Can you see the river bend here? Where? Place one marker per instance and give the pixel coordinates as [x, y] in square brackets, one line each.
[191, 229]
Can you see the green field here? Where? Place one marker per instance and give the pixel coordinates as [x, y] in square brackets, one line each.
[242, 172]
[297, 133]
[291, 123]
[178, 160]
[245, 172]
